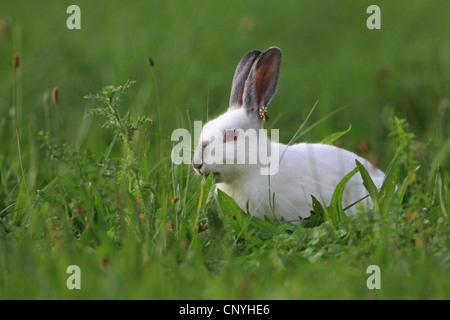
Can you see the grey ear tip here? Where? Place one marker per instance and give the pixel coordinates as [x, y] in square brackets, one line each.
[274, 49]
[255, 53]
[258, 52]
[252, 55]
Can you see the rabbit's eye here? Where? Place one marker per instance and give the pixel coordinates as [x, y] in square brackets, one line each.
[230, 135]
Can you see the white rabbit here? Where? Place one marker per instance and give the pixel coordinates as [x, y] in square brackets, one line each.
[304, 169]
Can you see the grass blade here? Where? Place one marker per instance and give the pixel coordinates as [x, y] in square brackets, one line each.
[334, 136]
[335, 212]
[389, 186]
[369, 185]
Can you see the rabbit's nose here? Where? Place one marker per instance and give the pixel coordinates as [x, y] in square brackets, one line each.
[196, 165]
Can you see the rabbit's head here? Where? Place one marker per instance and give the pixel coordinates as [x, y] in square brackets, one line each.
[228, 143]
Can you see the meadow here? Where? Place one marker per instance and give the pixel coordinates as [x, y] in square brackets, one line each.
[86, 176]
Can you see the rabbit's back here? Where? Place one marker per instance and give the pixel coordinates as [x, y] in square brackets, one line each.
[304, 170]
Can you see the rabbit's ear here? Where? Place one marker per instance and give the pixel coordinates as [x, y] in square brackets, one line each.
[262, 81]
[240, 76]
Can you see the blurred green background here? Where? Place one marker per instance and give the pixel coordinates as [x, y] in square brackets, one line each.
[329, 55]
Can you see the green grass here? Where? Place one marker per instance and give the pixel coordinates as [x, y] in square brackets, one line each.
[90, 182]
